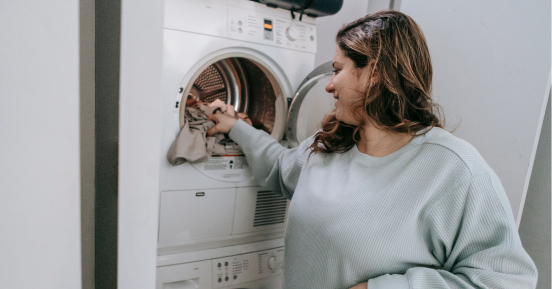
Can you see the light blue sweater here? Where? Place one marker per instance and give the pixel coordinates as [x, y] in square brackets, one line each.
[431, 215]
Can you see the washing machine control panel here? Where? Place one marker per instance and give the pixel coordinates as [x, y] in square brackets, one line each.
[238, 269]
[253, 26]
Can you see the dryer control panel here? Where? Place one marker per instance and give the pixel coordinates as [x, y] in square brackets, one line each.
[250, 25]
[242, 20]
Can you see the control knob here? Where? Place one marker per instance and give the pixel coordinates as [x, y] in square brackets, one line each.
[274, 263]
[292, 33]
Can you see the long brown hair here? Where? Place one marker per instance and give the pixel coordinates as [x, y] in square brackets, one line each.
[400, 101]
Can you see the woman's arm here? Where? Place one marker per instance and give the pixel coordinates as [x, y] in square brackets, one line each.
[274, 166]
[471, 231]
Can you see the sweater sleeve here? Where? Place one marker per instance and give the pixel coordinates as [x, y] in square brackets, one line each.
[472, 233]
[274, 166]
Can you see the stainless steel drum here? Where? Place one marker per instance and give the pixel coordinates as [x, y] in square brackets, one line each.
[240, 82]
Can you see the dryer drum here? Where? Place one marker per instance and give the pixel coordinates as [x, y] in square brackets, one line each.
[240, 82]
[209, 86]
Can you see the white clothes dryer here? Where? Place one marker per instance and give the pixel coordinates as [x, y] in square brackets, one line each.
[245, 53]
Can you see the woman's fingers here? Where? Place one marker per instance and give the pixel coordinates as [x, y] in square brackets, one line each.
[212, 131]
[212, 117]
[223, 123]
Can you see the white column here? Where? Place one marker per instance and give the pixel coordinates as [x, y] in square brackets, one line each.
[139, 141]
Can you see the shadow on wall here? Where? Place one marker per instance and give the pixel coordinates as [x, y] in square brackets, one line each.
[534, 229]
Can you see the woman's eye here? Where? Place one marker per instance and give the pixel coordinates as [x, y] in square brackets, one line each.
[335, 71]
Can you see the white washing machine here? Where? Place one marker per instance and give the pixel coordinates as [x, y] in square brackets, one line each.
[218, 228]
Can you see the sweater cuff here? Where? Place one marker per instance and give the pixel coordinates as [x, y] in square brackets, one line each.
[387, 281]
[241, 131]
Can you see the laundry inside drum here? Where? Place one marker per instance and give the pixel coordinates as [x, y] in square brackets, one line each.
[240, 82]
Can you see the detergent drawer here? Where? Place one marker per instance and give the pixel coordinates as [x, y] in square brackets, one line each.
[195, 214]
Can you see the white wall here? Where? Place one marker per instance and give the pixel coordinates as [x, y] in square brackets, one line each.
[378, 5]
[327, 27]
[491, 62]
[139, 141]
[39, 145]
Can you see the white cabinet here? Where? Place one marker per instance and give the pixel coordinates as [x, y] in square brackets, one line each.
[195, 214]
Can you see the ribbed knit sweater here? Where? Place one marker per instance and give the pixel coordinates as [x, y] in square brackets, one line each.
[431, 215]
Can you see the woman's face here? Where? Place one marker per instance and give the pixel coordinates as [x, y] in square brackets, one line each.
[346, 85]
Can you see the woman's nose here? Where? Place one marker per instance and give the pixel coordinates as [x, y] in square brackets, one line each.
[329, 86]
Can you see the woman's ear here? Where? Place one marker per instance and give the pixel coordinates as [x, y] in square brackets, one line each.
[373, 72]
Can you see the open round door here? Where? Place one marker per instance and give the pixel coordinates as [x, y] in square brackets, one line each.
[251, 87]
[310, 104]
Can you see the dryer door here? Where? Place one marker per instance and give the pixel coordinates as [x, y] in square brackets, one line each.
[309, 105]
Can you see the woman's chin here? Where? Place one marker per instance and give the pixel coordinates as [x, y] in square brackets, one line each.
[338, 115]
[347, 119]
[343, 119]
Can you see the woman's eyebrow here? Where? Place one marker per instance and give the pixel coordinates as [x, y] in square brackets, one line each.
[335, 62]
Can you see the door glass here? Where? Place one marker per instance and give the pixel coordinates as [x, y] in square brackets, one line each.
[316, 104]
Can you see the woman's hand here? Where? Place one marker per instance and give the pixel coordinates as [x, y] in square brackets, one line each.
[223, 123]
[360, 286]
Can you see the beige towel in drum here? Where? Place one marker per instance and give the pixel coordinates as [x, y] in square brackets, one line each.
[192, 144]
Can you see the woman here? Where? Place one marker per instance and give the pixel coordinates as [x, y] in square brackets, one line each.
[383, 197]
